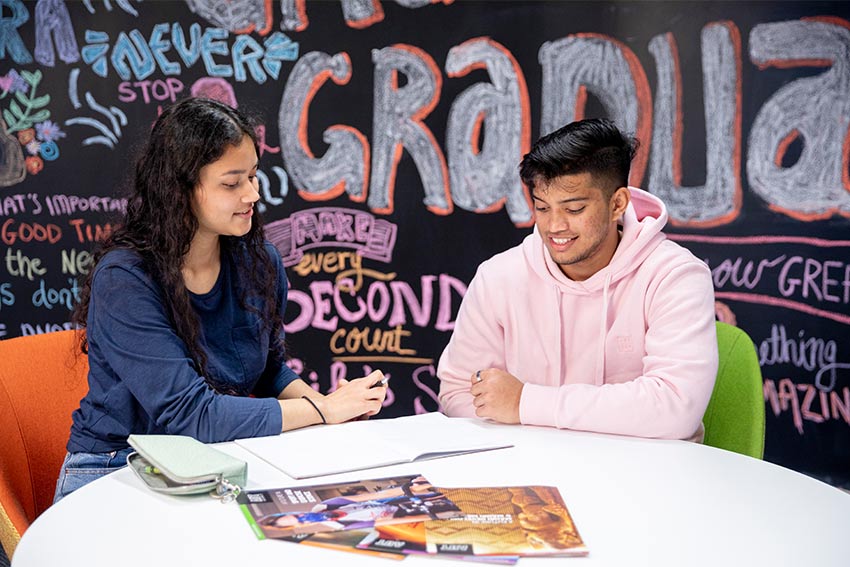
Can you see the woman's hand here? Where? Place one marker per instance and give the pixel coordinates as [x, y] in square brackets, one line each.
[361, 397]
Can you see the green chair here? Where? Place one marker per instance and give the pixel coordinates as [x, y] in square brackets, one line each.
[734, 419]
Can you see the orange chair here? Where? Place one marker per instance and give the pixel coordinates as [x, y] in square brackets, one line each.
[42, 379]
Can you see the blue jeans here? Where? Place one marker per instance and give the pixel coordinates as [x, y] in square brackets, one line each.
[79, 469]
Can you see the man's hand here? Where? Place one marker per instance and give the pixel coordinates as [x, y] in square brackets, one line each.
[496, 395]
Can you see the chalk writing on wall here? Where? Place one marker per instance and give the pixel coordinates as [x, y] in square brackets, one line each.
[719, 200]
[815, 110]
[367, 314]
[582, 63]
[389, 142]
[344, 165]
[483, 176]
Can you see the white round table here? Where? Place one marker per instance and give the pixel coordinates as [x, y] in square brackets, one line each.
[635, 502]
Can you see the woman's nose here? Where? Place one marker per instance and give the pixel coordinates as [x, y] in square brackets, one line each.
[252, 195]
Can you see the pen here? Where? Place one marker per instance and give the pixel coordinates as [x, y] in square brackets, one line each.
[383, 382]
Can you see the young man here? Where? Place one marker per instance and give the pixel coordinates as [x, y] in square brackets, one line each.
[595, 321]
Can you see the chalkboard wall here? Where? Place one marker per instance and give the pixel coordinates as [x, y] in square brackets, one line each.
[392, 131]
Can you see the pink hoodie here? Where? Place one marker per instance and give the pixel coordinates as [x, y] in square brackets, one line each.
[631, 350]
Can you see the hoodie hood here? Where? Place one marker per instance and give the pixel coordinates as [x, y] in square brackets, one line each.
[642, 223]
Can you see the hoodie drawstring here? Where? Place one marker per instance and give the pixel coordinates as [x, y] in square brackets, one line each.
[559, 333]
[603, 329]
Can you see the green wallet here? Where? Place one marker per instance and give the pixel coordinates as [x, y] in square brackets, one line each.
[178, 464]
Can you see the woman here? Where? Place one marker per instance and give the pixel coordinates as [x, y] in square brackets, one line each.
[183, 309]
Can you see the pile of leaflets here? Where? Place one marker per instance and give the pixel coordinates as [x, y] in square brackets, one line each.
[397, 516]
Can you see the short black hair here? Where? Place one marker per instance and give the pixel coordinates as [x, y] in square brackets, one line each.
[594, 145]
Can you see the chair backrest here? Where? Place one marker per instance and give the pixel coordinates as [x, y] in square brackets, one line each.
[734, 419]
[42, 379]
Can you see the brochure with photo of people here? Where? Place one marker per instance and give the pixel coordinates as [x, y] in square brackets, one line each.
[287, 512]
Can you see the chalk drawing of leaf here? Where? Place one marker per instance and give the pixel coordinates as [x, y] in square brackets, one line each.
[33, 106]
[38, 102]
[16, 110]
[7, 116]
[39, 116]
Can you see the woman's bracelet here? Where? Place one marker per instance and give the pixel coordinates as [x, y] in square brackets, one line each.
[312, 403]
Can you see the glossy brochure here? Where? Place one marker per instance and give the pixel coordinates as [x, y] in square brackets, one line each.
[497, 521]
[287, 512]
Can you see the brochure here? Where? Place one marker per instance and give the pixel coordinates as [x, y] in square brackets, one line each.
[345, 540]
[285, 512]
[347, 447]
[519, 520]
[409, 539]
[498, 522]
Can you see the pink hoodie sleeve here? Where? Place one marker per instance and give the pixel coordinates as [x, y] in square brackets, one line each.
[669, 399]
[477, 343]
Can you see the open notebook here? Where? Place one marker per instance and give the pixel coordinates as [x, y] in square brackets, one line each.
[357, 445]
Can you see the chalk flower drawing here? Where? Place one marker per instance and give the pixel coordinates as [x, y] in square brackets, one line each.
[33, 147]
[12, 82]
[48, 131]
[28, 116]
[34, 164]
[26, 136]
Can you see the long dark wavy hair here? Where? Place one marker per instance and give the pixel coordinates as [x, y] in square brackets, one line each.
[159, 224]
